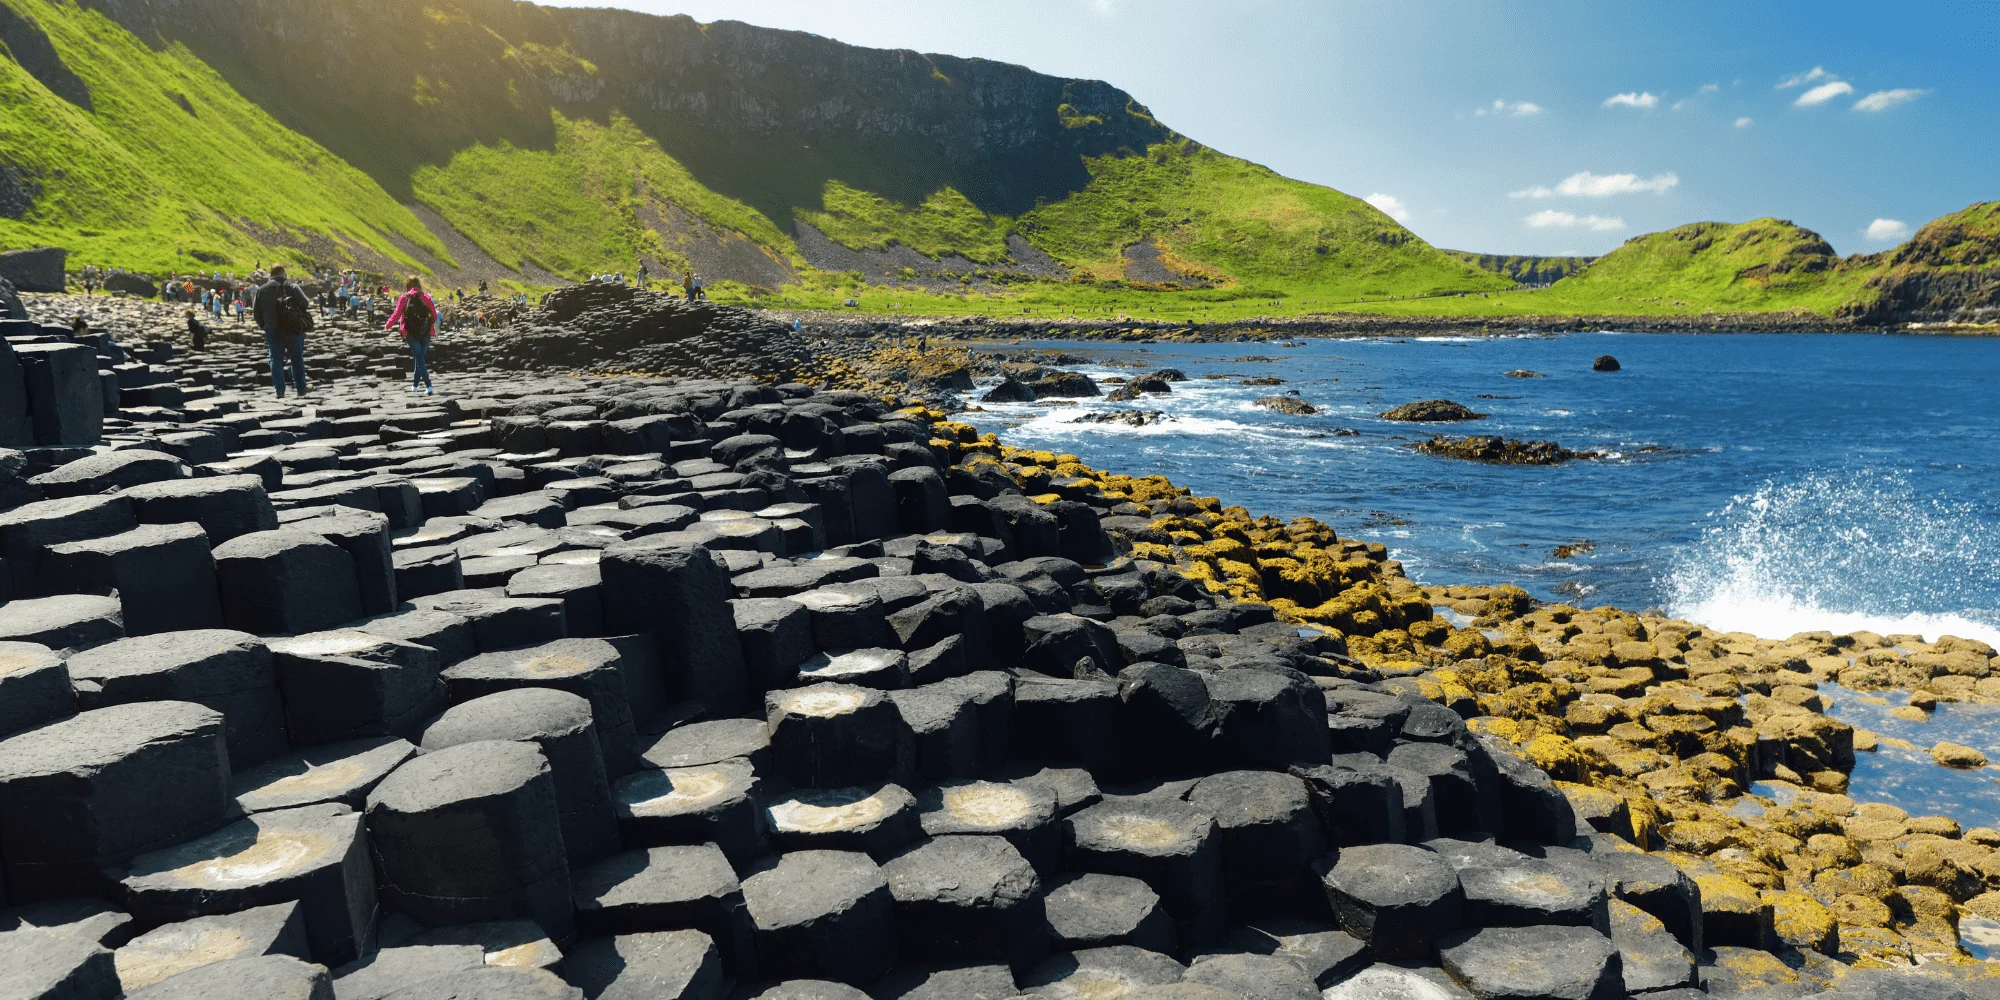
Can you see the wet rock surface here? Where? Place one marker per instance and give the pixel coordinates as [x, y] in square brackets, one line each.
[553, 685]
[1499, 450]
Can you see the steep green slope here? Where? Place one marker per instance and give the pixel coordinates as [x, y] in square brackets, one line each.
[564, 137]
[590, 203]
[150, 152]
[1527, 270]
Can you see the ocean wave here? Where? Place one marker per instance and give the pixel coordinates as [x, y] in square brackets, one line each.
[1842, 551]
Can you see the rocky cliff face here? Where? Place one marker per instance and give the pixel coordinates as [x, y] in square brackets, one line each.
[1949, 272]
[763, 115]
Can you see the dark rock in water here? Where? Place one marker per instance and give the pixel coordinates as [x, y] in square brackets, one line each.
[1431, 410]
[1524, 373]
[1069, 384]
[1604, 363]
[957, 378]
[1499, 450]
[1122, 394]
[1009, 391]
[1291, 404]
[1136, 418]
[1163, 375]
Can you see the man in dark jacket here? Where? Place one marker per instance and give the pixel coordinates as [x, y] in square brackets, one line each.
[285, 315]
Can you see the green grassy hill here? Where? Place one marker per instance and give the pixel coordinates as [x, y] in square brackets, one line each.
[1528, 270]
[789, 169]
[138, 153]
[575, 141]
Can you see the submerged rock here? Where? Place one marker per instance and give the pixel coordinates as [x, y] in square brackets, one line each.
[1524, 373]
[1135, 418]
[1432, 410]
[1499, 450]
[1066, 384]
[1291, 404]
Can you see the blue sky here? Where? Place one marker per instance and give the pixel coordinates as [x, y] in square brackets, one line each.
[1553, 127]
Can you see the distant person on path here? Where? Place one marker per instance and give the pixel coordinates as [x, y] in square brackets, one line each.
[687, 285]
[416, 314]
[643, 275]
[286, 317]
[699, 292]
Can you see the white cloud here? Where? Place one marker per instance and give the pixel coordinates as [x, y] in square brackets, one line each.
[1710, 88]
[1823, 93]
[1549, 218]
[1887, 230]
[1745, 122]
[1883, 100]
[1517, 109]
[1801, 79]
[1641, 99]
[1390, 205]
[1584, 184]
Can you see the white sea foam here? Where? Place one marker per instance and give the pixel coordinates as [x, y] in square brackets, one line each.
[1843, 552]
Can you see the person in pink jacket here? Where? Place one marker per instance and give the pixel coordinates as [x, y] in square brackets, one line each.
[416, 315]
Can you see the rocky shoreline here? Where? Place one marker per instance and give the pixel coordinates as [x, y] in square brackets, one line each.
[790, 679]
[988, 329]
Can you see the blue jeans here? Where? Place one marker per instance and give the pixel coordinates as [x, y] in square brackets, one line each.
[421, 373]
[283, 347]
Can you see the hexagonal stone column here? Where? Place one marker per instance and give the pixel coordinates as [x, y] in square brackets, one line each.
[1169, 844]
[162, 574]
[835, 735]
[1396, 899]
[317, 855]
[34, 687]
[823, 914]
[1270, 838]
[472, 833]
[654, 965]
[1097, 911]
[560, 723]
[592, 669]
[719, 803]
[1022, 812]
[277, 929]
[1555, 962]
[225, 670]
[285, 582]
[963, 898]
[94, 791]
[668, 888]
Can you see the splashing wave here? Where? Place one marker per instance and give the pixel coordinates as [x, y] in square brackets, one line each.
[1842, 551]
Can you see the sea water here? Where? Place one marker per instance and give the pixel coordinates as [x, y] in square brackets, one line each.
[1766, 483]
[1770, 483]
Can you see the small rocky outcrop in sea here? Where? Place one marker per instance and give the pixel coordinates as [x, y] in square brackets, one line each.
[1499, 450]
[1288, 403]
[1134, 418]
[1524, 373]
[1604, 363]
[1432, 410]
[1069, 384]
[1009, 391]
[1264, 380]
[1143, 384]
[1164, 375]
